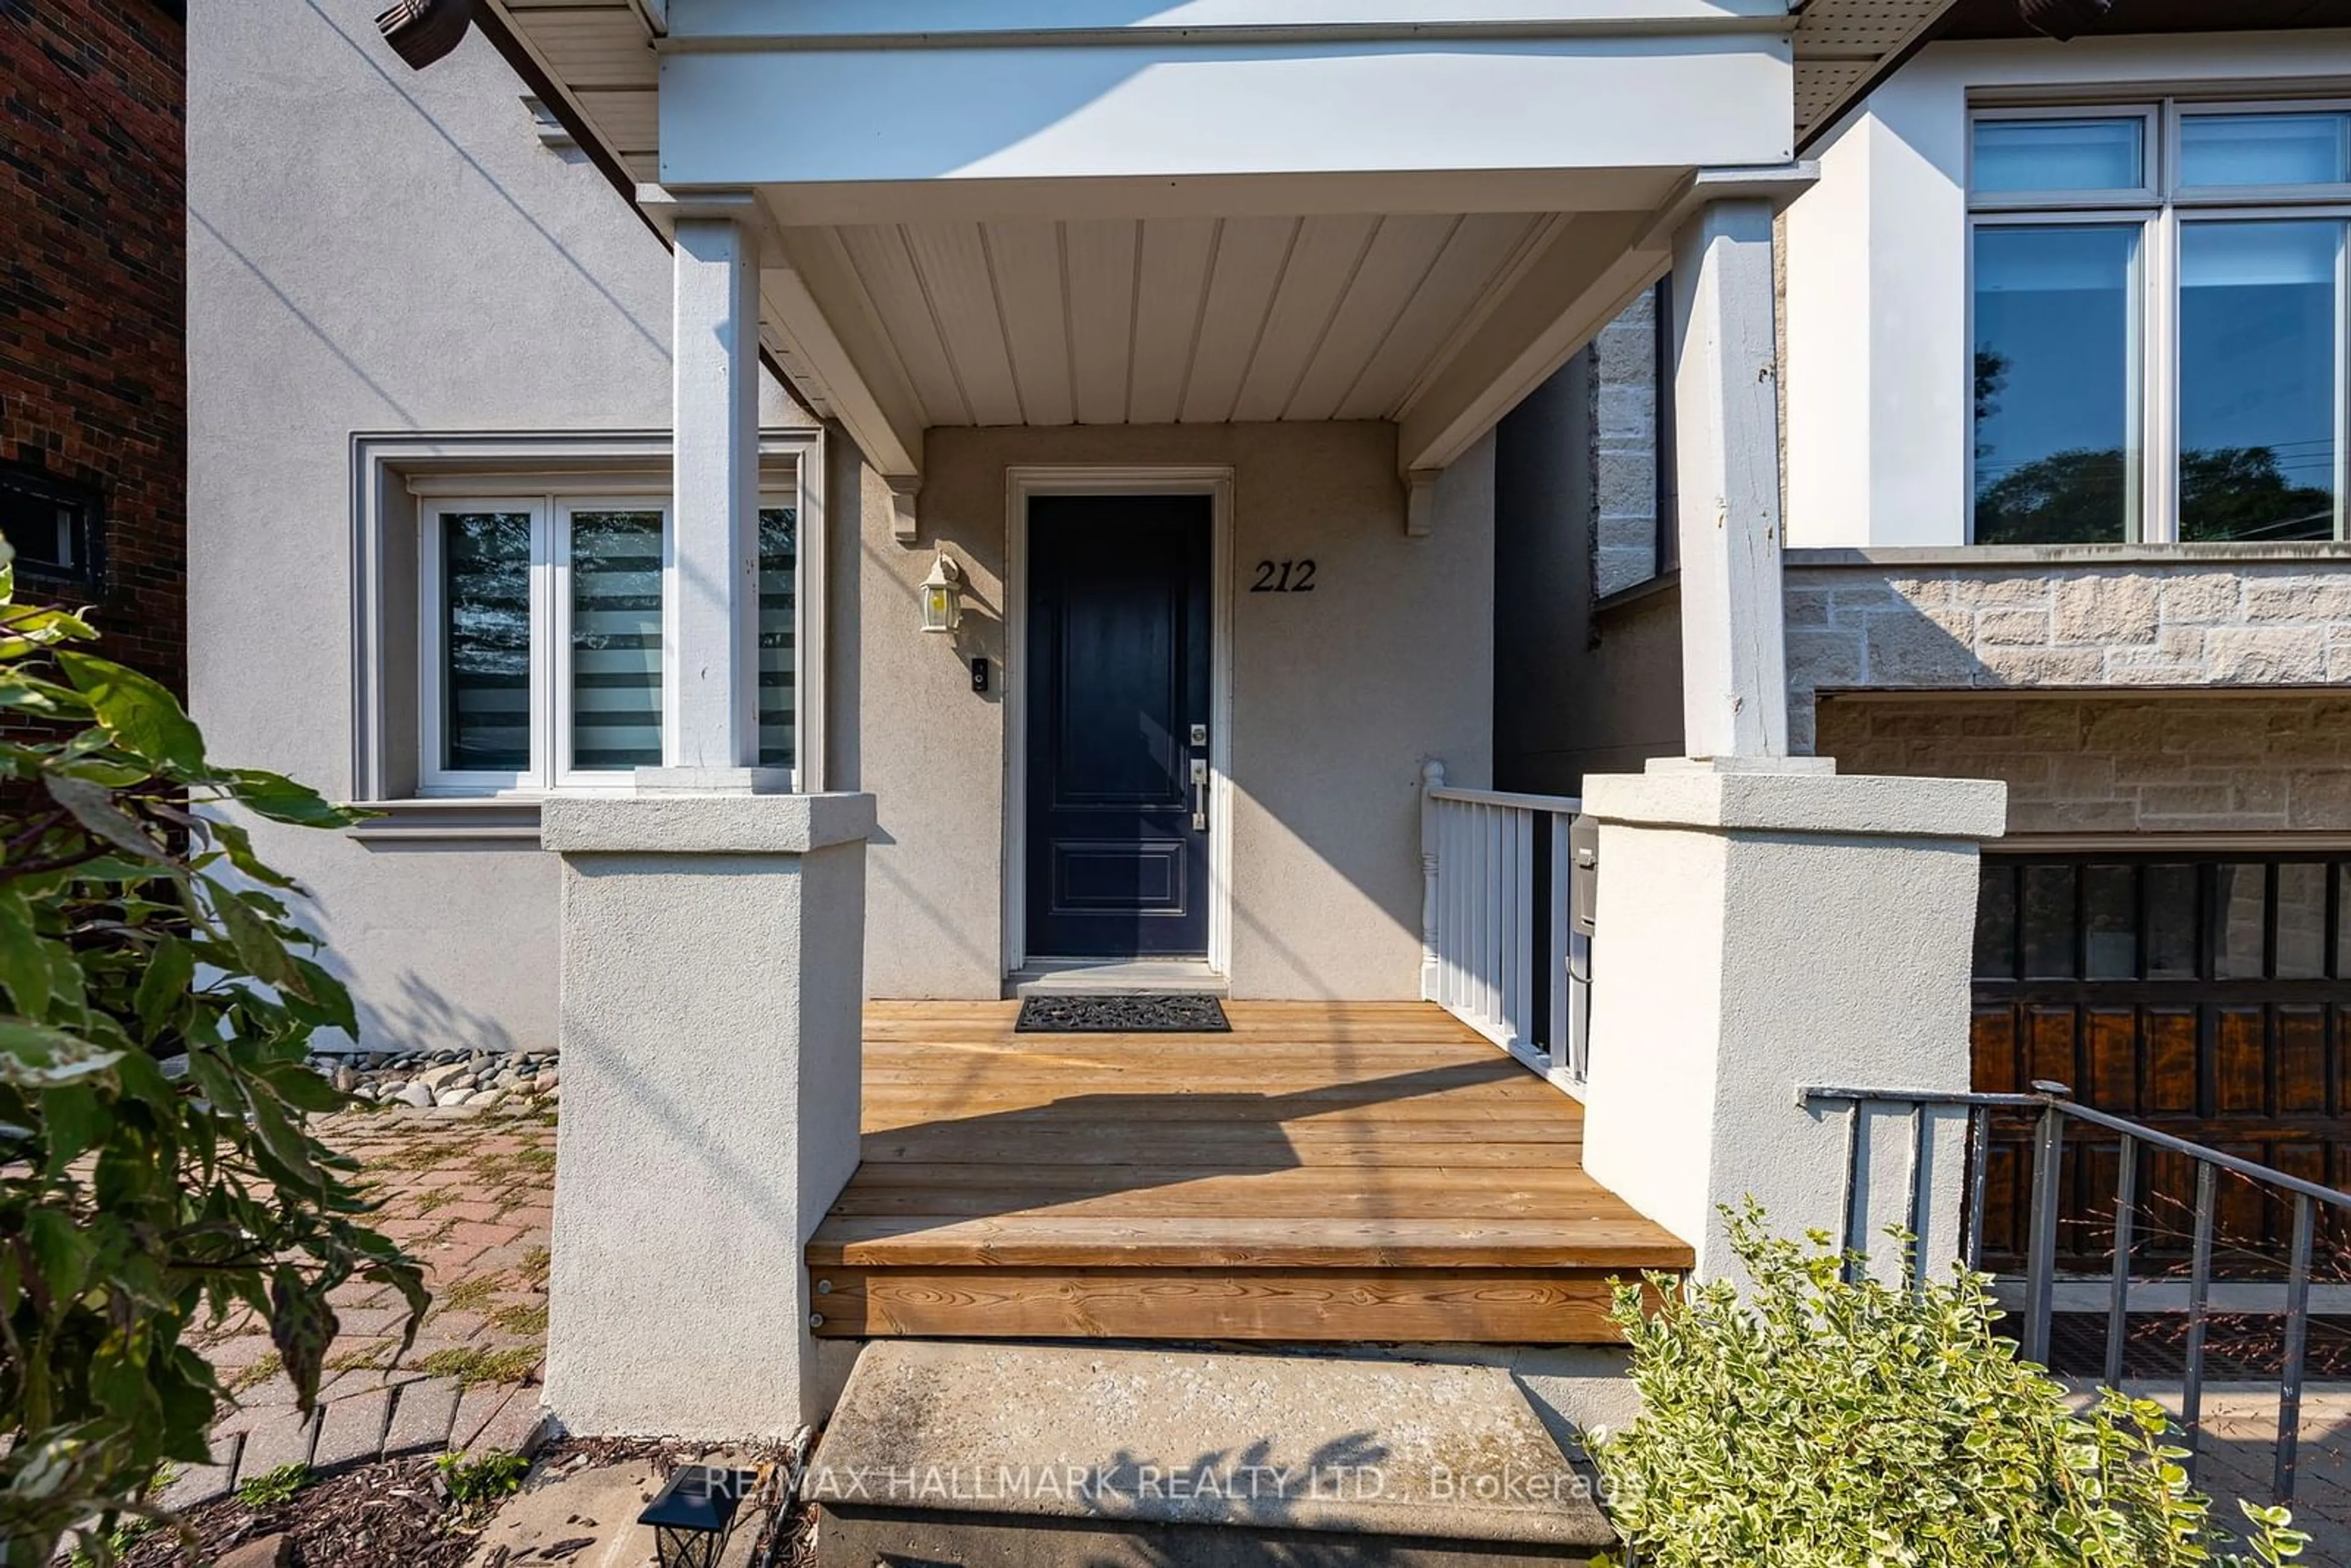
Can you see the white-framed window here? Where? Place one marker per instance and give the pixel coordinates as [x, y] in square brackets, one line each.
[2158, 323]
[545, 616]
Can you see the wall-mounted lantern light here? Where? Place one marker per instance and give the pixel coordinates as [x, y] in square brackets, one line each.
[943, 595]
[693, 1513]
[423, 31]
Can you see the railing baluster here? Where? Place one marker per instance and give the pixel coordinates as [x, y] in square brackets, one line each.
[1524, 999]
[1492, 969]
[2041, 1268]
[2119, 1300]
[1444, 875]
[1454, 871]
[1853, 1196]
[1914, 1270]
[1458, 907]
[1978, 1155]
[1527, 929]
[1481, 913]
[1506, 920]
[2199, 1291]
[1513, 925]
[2297, 1344]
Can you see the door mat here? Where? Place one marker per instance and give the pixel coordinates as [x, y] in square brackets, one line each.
[1125, 1012]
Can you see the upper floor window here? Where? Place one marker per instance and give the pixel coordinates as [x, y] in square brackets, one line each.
[51, 524]
[2159, 322]
[545, 635]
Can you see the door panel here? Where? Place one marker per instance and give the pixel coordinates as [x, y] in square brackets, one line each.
[1118, 672]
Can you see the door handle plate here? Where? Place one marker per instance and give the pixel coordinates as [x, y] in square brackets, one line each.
[1199, 791]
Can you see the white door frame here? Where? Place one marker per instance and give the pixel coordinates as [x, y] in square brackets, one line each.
[1022, 482]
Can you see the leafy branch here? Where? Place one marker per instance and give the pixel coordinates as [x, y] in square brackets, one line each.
[157, 1171]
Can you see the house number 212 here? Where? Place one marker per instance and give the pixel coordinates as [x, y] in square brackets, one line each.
[1284, 576]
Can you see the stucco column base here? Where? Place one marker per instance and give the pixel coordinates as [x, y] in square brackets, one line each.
[1759, 930]
[711, 975]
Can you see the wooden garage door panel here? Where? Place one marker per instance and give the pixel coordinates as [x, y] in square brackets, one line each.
[2240, 1060]
[2303, 1076]
[1995, 1038]
[2110, 1047]
[2172, 1077]
[2049, 1044]
[2189, 1001]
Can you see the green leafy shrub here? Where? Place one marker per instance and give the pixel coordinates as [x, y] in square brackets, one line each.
[496, 1474]
[1815, 1423]
[156, 1170]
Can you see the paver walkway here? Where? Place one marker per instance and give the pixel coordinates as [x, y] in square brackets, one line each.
[470, 1195]
[2238, 1453]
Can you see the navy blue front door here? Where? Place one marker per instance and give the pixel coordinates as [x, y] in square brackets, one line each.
[1118, 705]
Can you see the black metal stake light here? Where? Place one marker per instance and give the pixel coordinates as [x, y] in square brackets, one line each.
[694, 1512]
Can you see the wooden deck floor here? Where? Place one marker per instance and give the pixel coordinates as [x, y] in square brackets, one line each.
[1341, 1172]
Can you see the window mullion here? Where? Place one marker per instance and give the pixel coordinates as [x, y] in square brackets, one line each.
[2158, 510]
[547, 645]
[2342, 386]
[431, 648]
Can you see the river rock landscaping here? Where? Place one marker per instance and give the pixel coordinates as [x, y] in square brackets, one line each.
[445, 1079]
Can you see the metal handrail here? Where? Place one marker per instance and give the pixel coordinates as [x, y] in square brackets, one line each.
[2054, 1104]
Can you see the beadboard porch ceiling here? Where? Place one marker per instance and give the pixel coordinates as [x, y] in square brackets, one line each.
[1434, 297]
[1162, 320]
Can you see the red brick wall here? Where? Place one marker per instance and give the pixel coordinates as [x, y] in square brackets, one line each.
[93, 387]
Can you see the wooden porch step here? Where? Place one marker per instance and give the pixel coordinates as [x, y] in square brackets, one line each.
[1302, 1241]
[1353, 1172]
[1468, 1306]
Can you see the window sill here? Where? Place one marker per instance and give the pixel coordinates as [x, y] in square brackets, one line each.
[486, 819]
[2228, 554]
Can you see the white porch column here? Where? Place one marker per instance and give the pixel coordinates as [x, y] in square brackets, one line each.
[1763, 931]
[1727, 471]
[712, 984]
[712, 670]
[713, 934]
[1764, 924]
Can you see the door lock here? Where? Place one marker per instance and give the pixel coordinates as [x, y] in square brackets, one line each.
[1199, 735]
[1199, 790]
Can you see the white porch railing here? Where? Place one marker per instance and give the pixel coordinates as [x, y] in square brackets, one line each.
[1495, 937]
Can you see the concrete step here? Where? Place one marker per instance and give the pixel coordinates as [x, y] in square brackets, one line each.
[1004, 1455]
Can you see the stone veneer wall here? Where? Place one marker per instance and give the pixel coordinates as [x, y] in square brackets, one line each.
[2271, 618]
[1624, 448]
[2117, 761]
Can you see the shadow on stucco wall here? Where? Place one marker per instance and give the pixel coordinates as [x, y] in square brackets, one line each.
[419, 1018]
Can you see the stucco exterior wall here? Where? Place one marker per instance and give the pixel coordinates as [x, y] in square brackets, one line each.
[376, 249]
[1337, 697]
[2194, 762]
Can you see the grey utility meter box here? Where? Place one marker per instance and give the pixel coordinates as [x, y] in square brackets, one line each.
[1583, 872]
